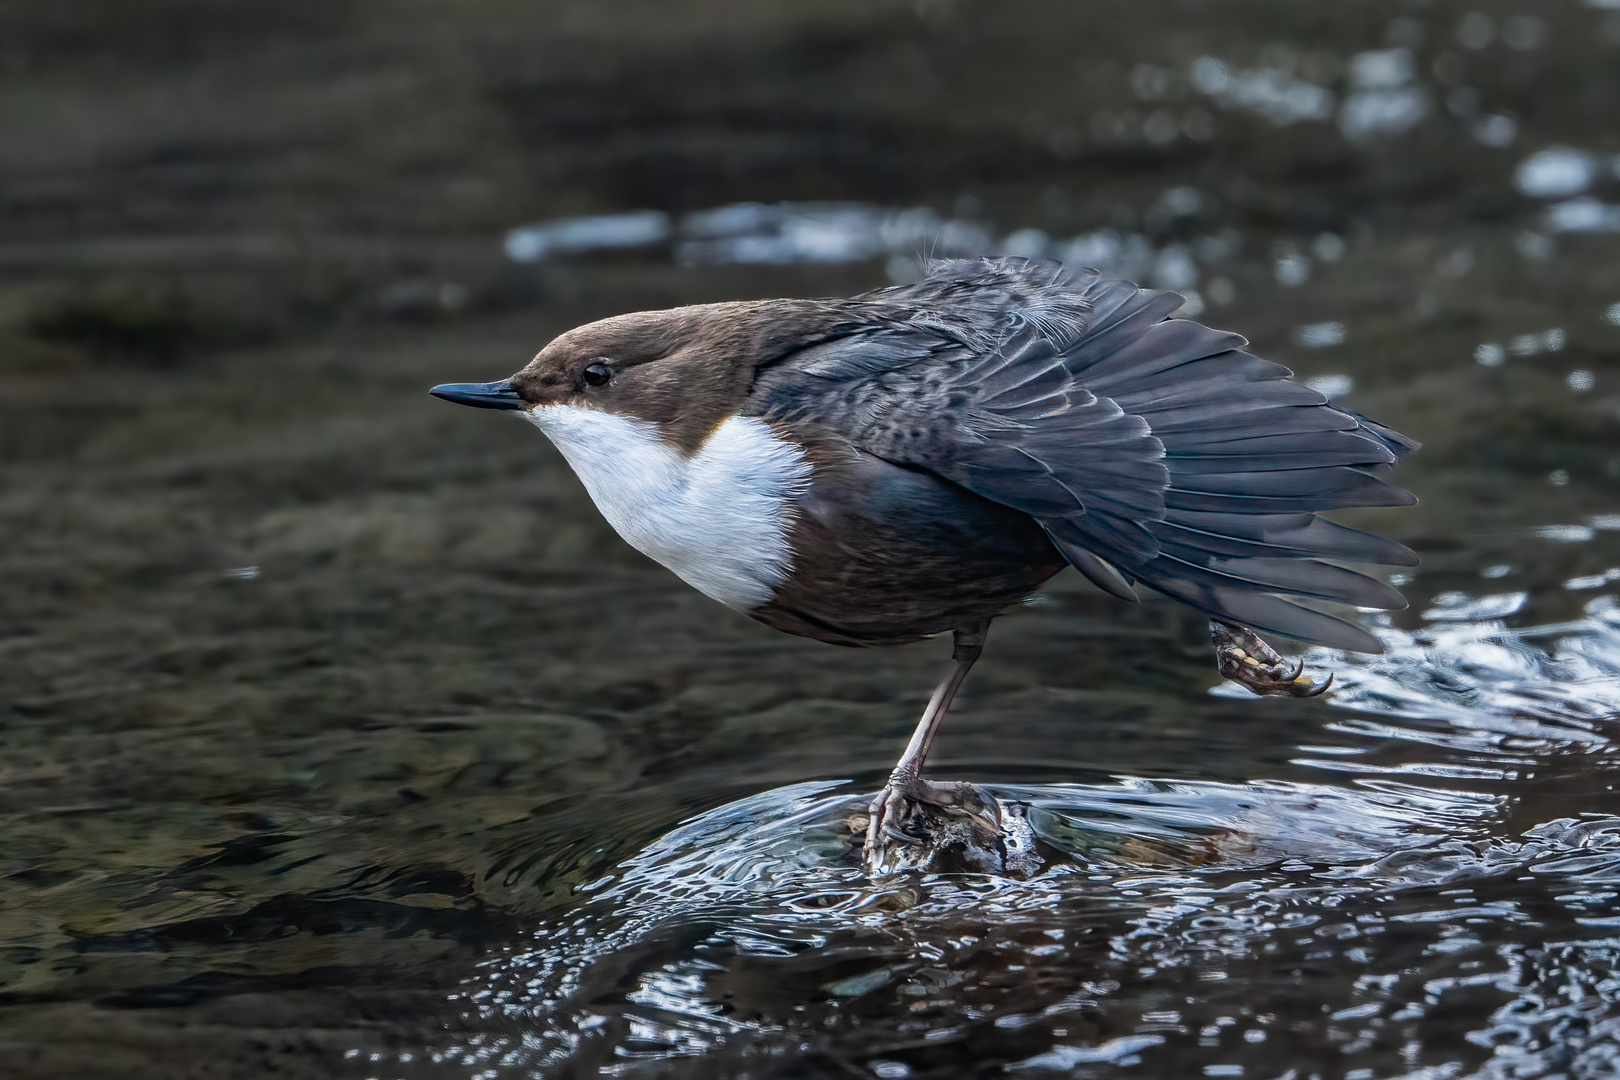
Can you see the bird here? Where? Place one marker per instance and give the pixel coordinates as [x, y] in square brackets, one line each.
[918, 459]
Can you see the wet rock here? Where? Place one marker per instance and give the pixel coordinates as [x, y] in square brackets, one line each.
[954, 843]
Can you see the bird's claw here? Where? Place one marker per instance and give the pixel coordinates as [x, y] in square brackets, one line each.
[903, 797]
[1242, 656]
[1320, 688]
[902, 837]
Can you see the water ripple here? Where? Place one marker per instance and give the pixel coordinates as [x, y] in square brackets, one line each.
[1431, 918]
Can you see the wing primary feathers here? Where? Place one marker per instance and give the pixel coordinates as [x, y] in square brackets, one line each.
[1300, 577]
[1098, 571]
[1278, 534]
[1151, 449]
[1336, 493]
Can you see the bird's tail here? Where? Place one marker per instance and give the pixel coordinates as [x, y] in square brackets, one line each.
[1252, 458]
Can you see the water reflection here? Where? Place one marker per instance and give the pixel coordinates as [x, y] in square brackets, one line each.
[1386, 99]
[1444, 914]
[1556, 173]
[1271, 92]
[584, 235]
[787, 233]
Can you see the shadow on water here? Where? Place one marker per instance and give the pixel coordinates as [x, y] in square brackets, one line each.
[1438, 904]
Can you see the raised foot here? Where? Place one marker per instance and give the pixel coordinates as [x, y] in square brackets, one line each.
[904, 802]
[1243, 657]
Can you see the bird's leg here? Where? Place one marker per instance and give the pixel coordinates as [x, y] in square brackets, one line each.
[906, 786]
[1243, 657]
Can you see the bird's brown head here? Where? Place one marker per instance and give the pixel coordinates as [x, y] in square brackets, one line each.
[684, 370]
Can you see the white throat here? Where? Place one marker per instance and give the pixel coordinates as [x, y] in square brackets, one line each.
[718, 518]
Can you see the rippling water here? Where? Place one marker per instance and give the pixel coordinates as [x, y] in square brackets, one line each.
[1438, 902]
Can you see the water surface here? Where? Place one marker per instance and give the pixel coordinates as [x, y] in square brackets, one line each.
[340, 737]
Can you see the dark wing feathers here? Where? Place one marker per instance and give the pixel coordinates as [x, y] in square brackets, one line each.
[1151, 449]
[1099, 348]
[1165, 349]
[1302, 577]
[1031, 466]
[1335, 482]
[1271, 611]
[1397, 444]
[1261, 453]
[1334, 491]
[1271, 535]
[1098, 571]
[1225, 421]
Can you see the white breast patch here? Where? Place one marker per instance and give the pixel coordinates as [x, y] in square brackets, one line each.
[718, 518]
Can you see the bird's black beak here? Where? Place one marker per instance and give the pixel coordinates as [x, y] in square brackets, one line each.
[480, 395]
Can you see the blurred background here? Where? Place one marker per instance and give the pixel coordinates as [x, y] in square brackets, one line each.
[320, 699]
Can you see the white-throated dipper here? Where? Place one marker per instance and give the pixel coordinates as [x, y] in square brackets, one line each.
[914, 460]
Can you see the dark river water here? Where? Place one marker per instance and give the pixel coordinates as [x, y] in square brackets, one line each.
[340, 737]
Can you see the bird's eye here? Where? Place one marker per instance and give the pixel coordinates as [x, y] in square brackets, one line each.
[598, 374]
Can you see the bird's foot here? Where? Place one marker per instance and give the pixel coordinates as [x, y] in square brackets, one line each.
[1243, 657]
[908, 798]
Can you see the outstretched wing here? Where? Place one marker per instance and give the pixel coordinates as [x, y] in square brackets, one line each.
[1149, 448]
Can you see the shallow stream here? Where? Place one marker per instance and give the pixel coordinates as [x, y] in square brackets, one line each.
[340, 737]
